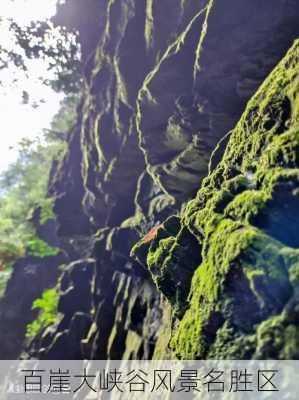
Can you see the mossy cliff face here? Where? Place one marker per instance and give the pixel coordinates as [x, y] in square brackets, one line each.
[167, 84]
[164, 81]
[243, 299]
[220, 59]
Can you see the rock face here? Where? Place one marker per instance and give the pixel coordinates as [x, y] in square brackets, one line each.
[243, 301]
[168, 109]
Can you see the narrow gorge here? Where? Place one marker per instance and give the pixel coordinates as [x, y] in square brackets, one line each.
[177, 203]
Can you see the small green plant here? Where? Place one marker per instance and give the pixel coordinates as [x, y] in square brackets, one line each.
[39, 248]
[24, 186]
[48, 306]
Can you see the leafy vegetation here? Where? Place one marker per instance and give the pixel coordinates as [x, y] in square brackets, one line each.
[39, 248]
[24, 186]
[54, 53]
[47, 305]
[55, 46]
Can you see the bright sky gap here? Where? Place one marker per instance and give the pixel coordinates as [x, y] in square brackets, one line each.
[19, 120]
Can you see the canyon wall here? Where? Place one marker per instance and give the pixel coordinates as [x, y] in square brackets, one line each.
[177, 202]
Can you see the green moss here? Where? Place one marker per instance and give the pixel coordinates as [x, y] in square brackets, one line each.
[207, 287]
[231, 345]
[291, 259]
[163, 254]
[47, 305]
[159, 261]
[149, 243]
[260, 166]
[155, 257]
[247, 205]
[240, 261]
[133, 222]
[139, 252]
[277, 339]
[243, 224]
[39, 248]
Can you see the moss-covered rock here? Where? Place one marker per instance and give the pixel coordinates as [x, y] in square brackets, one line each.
[163, 251]
[164, 81]
[243, 301]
